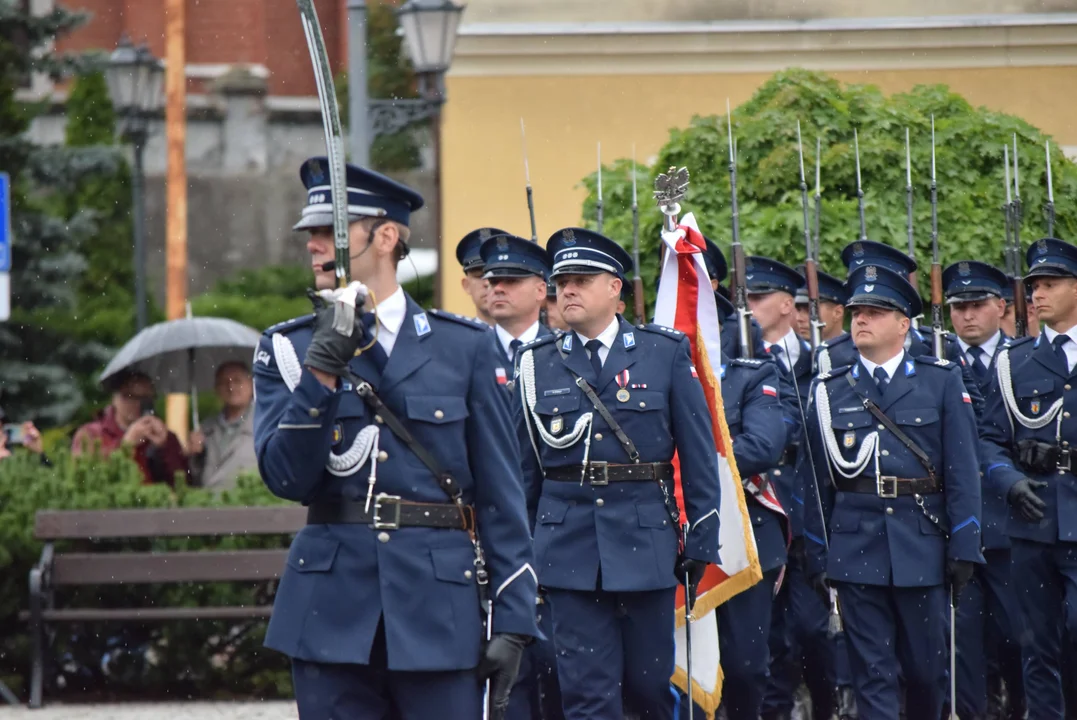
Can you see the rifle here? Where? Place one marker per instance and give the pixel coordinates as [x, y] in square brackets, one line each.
[739, 280]
[908, 207]
[818, 195]
[598, 205]
[937, 331]
[637, 281]
[1020, 307]
[527, 179]
[1011, 264]
[1050, 209]
[859, 188]
[811, 271]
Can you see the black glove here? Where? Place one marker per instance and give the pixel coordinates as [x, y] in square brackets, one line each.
[693, 569]
[500, 664]
[821, 585]
[959, 572]
[1023, 497]
[329, 351]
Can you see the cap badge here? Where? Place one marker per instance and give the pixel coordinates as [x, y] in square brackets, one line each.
[317, 173]
[568, 237]
[502, 243]
[484, 234]
[858, 249]
[1041, 245]
[871, 273]
[963, 269]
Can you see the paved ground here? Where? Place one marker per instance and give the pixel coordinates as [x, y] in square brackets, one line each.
[157, 711]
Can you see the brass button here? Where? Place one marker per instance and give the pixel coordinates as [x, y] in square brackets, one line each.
[383, 456]
[1067, 387]
[1066, 414]
[383, 537]
[777, 473]
[556, 409]
[378, 419]
[438, 414]
[643, 404]
[889, 511]
[313, 412]
[467, 574]
[600, 502]
[917, 419]
[598, 436]
[302, 562]
[880, 426]
[885, 452]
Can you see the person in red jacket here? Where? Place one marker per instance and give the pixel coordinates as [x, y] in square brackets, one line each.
[129, 421]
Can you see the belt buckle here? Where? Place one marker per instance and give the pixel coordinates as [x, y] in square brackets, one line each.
[393, 501]
[1064, 460]
[886, 491]
[605, 476]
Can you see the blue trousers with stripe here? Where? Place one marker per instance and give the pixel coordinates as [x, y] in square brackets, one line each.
[609, 643]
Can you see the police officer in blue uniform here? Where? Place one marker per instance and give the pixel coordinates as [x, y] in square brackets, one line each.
[516, 270]
[801, 646]
[988, 621]
[898, 436]
[350, 425]
[1029, 434]
[603, 408]
[470, 259]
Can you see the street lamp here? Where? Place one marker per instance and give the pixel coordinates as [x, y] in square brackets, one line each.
[134, 78]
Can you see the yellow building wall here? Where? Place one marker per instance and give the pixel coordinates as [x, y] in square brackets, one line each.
[482, 155]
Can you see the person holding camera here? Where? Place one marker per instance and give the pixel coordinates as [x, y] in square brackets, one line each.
[23, 434]
[129, 421]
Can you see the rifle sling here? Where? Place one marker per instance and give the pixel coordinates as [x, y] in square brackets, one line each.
[889, 424]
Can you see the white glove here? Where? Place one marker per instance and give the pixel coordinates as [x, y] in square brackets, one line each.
[345, 302]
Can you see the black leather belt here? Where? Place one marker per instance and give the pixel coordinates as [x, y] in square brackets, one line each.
[889, 486]
[603, 473]
[389, 512]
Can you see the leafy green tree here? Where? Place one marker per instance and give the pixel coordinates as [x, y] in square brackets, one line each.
[389, 76]
[40, 366]
[969, 152]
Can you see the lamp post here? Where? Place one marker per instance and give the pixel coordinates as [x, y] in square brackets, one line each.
[134, 78]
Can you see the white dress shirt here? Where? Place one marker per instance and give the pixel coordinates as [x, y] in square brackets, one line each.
[391, 312]
[1070, 347]
[890, 366]
[988, 347]
[790, 345]
[606, 337]
[506, 338]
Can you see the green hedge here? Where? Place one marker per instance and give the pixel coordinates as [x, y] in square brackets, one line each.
[198, 659]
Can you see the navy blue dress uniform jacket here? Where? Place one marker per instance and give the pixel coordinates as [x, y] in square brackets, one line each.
[796, 384]
[890, 541]
[341, 579]
[755, 418]
[995, 506]
[1038, 378]
[622, 531]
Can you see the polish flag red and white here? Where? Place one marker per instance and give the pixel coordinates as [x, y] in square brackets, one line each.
[686, 302]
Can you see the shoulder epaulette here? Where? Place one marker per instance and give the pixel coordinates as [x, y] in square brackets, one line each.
[937, 362]
[834, 372]
[1015, 342]
[459, 319]
[748, 362]
[542, 340]
[289, 325]
[661, 330]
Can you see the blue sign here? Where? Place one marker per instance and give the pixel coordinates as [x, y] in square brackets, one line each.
[5, 223]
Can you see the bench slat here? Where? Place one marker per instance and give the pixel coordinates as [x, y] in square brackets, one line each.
[171, 567]
[81, 524]
[157, 614]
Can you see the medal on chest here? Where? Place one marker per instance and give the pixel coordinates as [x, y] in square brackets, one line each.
[622, 382]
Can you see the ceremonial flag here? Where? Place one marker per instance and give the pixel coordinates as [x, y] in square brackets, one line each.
[686, 302]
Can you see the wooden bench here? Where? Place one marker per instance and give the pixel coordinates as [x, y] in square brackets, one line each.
[87, 568]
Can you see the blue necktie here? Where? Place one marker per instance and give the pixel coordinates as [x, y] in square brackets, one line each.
[777, 352]
[1060, 349]
[881, 379]
[376, 352]
[979, 370]
[596, 362]
[514, 345]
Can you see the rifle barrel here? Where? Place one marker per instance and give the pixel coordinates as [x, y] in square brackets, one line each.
[859, 187]
[739, 279]
[811, 271]
[936, 264]
[527, 179]
[639, 306]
